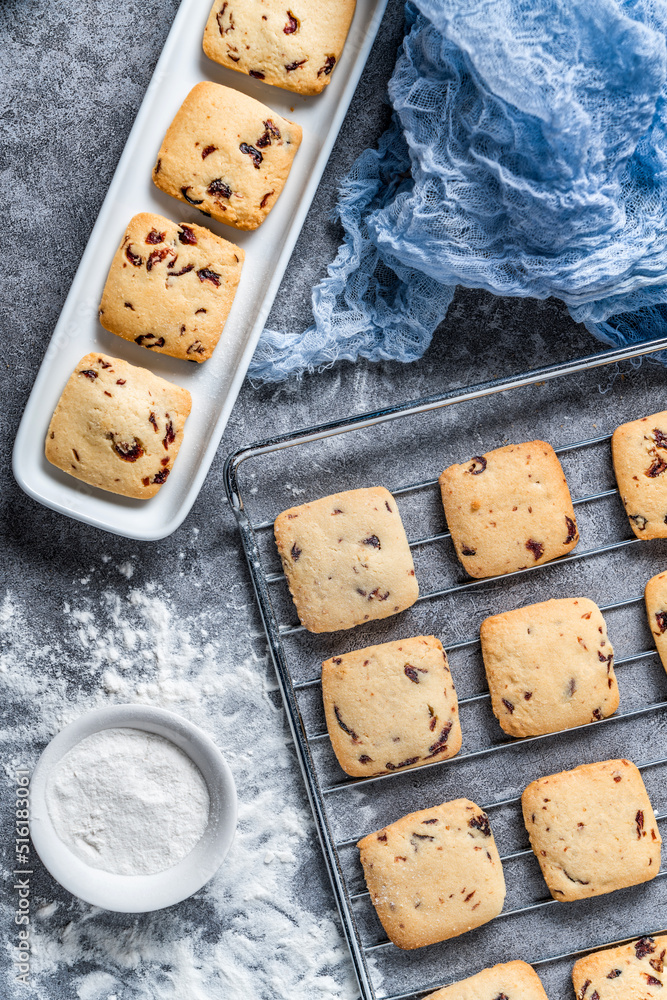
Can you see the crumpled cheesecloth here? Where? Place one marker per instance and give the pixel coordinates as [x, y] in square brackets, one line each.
[527, 155]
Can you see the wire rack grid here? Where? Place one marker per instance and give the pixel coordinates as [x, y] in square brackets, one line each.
[323, 781]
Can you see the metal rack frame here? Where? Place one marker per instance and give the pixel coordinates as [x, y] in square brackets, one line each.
[276, 631]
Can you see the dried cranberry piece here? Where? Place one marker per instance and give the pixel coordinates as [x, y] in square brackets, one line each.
[508, 705]
[478, 465]
[597, 714]
[89, 373]
[129, 451]
[295, 65]
[153, 421]
[645, 946]
[158, 256]
[535, 547]
[157, 166]
[207, 151]
[614, 974]
[183, 270]
[346, 729]
[258, 75]
[441, 741]
[579, 881]
[481, 823]
[292, 24]
[134, 258]
[467, 551]
[639, 820]
[403, 763]
[657, 469]
[120, 381]
[76, 454]
[660, 438]
[192, 201]
[640, 521]
[372, 540]
[382, 837]
[160, 477]
[271, 131]
[571, 530]
[218, 188]
[254, 153]
[196, 348]
[411, 673]
[651, 981]
[329, 64]
[128, 305]
[365, 759]
[149, 340]
[661, 619]
[295, 552]
[187, 235]
[169, 436]
[219, 17]
[204, 274]
[155, 237]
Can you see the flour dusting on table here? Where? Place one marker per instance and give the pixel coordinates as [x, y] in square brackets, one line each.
[249, 932]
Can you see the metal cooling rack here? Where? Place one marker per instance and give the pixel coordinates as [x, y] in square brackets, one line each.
[324, 794]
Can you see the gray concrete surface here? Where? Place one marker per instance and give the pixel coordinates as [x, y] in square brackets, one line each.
[74, 74]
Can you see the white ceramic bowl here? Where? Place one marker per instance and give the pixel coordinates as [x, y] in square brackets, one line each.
[137, 893]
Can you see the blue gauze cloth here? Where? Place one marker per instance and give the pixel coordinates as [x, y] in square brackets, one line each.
[527, 155]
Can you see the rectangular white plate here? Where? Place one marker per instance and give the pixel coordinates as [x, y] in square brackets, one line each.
[215, 384]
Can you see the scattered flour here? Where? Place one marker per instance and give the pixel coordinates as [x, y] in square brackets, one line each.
[128, 802]
[257, 929]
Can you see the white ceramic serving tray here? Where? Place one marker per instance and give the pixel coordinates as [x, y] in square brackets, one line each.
[215, 384]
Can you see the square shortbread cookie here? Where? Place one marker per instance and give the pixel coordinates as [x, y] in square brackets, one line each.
[639, 452]
[227, 154]
[346, 559]
[549, 666]
[592, 829]
[512, 980]
[434, 874]
[117, 427]
[170, 287]
[656, 610]
[293, 46]
[634, 971]
[509, 509]
[391, 706]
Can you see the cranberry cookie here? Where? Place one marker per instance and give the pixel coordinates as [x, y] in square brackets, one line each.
[656, 609]
[592, 829]
[509, 509]
[639, 453]
[634, 971]
[434, 874]
[294, 45]
[170, 287]
[227, 154]
[346, 559]
[391, 706]
[117, 427]
[549, 666]
[513, 981]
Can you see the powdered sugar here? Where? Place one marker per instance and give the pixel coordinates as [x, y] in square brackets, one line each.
[250, 931]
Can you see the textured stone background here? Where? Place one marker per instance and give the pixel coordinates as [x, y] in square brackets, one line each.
[74, 75]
